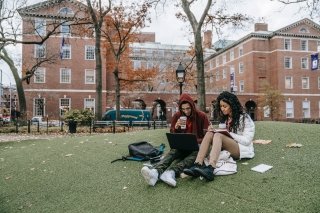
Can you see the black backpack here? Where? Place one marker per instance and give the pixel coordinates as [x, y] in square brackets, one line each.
[143, 151]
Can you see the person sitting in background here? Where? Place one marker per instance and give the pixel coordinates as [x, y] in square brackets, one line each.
[173, 163]
[241, 128]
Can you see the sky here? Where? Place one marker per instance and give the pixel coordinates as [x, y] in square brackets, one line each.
[169, 30]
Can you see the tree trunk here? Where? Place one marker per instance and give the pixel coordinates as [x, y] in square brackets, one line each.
[20, 91]
[117, 92]
[98, 75]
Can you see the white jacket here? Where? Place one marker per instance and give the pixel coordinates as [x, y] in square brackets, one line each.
[244, 138]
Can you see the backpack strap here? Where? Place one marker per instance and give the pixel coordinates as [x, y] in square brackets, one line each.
[124, 158]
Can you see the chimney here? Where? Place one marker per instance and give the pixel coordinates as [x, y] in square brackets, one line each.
[260, 27]
[207, 39]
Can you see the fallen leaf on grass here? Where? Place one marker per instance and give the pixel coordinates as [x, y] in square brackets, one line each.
[294, 145]
[124, 187]
[7, 178]
[245, 163]
[68, 155]
[260, 141]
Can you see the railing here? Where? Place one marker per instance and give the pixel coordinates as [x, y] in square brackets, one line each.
[129, 124]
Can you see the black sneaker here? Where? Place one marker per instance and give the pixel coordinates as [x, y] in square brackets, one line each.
[191, 171]
[206, 172]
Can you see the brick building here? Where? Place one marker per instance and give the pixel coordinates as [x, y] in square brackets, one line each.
[280, 58]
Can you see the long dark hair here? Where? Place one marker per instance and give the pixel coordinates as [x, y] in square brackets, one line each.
[236, 108]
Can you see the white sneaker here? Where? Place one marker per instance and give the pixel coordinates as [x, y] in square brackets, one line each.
[169, 178]
[150, 175]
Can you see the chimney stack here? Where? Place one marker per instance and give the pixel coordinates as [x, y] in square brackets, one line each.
[207, 39]
[260, 27]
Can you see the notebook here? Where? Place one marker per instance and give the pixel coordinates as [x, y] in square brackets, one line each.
[183, 141]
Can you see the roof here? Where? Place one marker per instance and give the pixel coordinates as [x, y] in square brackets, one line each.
[270, 34]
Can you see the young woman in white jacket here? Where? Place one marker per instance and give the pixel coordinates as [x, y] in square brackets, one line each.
[241, 128]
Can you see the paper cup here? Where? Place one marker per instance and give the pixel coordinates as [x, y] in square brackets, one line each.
[183, 121]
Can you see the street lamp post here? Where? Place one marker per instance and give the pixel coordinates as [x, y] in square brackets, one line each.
[180, 75]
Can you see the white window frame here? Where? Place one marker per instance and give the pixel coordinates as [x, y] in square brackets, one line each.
[40, 27]
[318, 82]
[217, 61]
[65, 29]
[240, 51]
[287, 84]
[224, 58]
[306, 109]
[65, 75]
[241, 67]
[64, 105]
[66, 51]
[137, 64]
[40, 75]
[289, 109]
[231, 55]
[224, 74]
[304, 45]
[217, 75]
[89, 103]
[39, 107]
[90, 73]
[304, 63]
[305, 85]
[40, 50]
[287, 44]
[90, 52]
[287, 62]
[241, 86]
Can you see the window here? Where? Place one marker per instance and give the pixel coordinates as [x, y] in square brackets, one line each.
[305, 82]
[304, 63]
[289, 109]
[89, 103]
[224, 74]
[241, 68]
[306, 109]
[65, 29]
[40, 51]
[240, 51]
[217, 76]
[40, 27]
[318, 82]
[318, 46]
[231, 55]
[303, 30]
[40, 75]
[65, 11]
[90, 52]
[65, 51]
[150, 64]
[137, 64]
[64, 105]
[304, 45]
[65, 75]
[217, 61]
[288, 63]
[241, 86]
[287, 44]
[38, 107]
[224, 58]
[90, 77]
[288, 82]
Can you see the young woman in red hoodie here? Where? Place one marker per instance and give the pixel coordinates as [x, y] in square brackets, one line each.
[172, 165]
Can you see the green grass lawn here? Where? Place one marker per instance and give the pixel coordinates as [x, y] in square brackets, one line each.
[74, 174]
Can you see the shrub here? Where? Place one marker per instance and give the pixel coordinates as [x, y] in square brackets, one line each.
[84, 116]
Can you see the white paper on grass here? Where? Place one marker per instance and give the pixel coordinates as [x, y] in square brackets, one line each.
[262, 168]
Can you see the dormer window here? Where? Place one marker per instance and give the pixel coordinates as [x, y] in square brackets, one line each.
[303, 30]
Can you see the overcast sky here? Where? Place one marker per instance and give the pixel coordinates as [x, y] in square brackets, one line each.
[169, 30]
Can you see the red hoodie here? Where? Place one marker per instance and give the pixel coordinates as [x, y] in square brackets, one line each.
[198, 119]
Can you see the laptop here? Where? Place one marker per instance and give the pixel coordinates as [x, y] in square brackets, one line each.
[183, 141]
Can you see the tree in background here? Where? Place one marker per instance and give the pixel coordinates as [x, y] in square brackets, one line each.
[214, 15]
[98, 13]
[270, 101]
[120, 26]
[312, 7]
[10, 35]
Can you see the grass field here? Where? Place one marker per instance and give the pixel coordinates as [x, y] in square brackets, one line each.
[74, 174]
